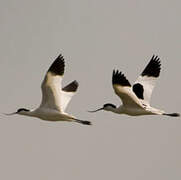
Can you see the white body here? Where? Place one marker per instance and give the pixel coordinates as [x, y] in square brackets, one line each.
[48, 114]
[135, 111]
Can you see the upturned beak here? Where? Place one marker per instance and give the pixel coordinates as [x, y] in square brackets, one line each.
[96, 110]
[9, 114]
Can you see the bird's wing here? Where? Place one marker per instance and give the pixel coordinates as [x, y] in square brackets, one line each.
[122, 88]
[51, 85]
[67, 93]
[145, 83]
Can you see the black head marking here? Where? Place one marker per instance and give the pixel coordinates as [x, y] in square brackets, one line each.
[138, 90]
[119, 78]
[72, 87]
[22, 109]
[57, 67]
[109, 104]
[153, 68]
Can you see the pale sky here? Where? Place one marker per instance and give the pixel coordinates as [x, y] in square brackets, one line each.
[94, 37]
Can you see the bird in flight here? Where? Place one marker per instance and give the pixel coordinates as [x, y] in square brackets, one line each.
[136, 98]
[54, 98]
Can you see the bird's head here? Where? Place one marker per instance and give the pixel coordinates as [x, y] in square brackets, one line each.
[106, 107]
[21, 111]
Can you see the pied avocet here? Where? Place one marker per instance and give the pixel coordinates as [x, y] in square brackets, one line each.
[136, 99]
[54, 98]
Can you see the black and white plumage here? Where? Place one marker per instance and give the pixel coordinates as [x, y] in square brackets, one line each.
[144, 85]
[136, 99]
[54, 98]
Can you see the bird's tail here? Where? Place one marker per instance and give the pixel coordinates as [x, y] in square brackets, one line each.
[172, 114]
[83, 122]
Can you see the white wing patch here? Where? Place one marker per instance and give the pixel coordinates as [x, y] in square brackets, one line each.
[65, 99]
[148, 84]
[127, 96]
[53, 96]
[51, 92]
[51, 85]
[144, 85]
[67, 93]
[122, 88]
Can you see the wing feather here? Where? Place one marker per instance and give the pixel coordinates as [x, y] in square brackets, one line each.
[122, 88]
[144, 85]
[67, 93]
[51, 85]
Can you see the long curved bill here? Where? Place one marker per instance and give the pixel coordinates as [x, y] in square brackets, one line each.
[96, 110]
[9, 114]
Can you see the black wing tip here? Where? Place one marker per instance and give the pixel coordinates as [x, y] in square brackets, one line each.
[86, 122]
[119, 78]
[172, 114]
[153, 68]
[58, 66]
[76, 82]
[156, 59]
[72, 87]
[83, 122]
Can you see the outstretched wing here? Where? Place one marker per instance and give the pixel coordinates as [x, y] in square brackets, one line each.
[67, 93]
[51, 85]
[145, 83]
[122, 88]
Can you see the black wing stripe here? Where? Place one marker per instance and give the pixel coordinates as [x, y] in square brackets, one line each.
[153, 68]
[58, 66]
[138, 90]
[72, 87]
[119, 78]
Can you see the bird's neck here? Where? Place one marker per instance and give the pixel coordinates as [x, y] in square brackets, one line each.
[114, 110]
[117, 110]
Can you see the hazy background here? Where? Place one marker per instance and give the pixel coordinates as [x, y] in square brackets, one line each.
[95, 37]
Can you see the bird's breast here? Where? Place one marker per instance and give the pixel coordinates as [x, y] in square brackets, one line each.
[136, 112]
[52, 115]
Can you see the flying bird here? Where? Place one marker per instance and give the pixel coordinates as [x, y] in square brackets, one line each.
[136, 98]
[54, 98]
